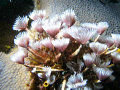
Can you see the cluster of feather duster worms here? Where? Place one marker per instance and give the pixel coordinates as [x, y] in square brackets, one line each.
[64, 55]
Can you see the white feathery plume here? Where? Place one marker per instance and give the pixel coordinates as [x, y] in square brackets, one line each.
[20, 23]
[76, 81]
[109, 41]
[104, 64]
[35, 45]
[97, 47]
[52, 28]
[102, 73]
[101, 27]
[65, 32]
[89, 25]
[116, 38]
[89, 59]
[19, 56]
[97, 61]
[116, 57]
[82, 35]
[61, 44]
[22, 39]
[36, 14]
[37, 25]
[55, 19]
[47, 42]
[75, 67]
[68, 17]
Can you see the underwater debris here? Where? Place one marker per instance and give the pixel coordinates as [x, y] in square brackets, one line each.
[59, 52]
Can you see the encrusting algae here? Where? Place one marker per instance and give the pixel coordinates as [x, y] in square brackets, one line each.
[62, 55]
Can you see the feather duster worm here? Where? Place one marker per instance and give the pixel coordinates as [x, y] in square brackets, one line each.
[68, 17]
[20, 23]
[97, 47]
[54, 48]
[76, 81]
[36, 14]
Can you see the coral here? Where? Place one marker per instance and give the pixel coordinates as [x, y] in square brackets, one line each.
[64, 52]
[12, 75]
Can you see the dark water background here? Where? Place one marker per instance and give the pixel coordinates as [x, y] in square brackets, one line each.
[9, 11]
